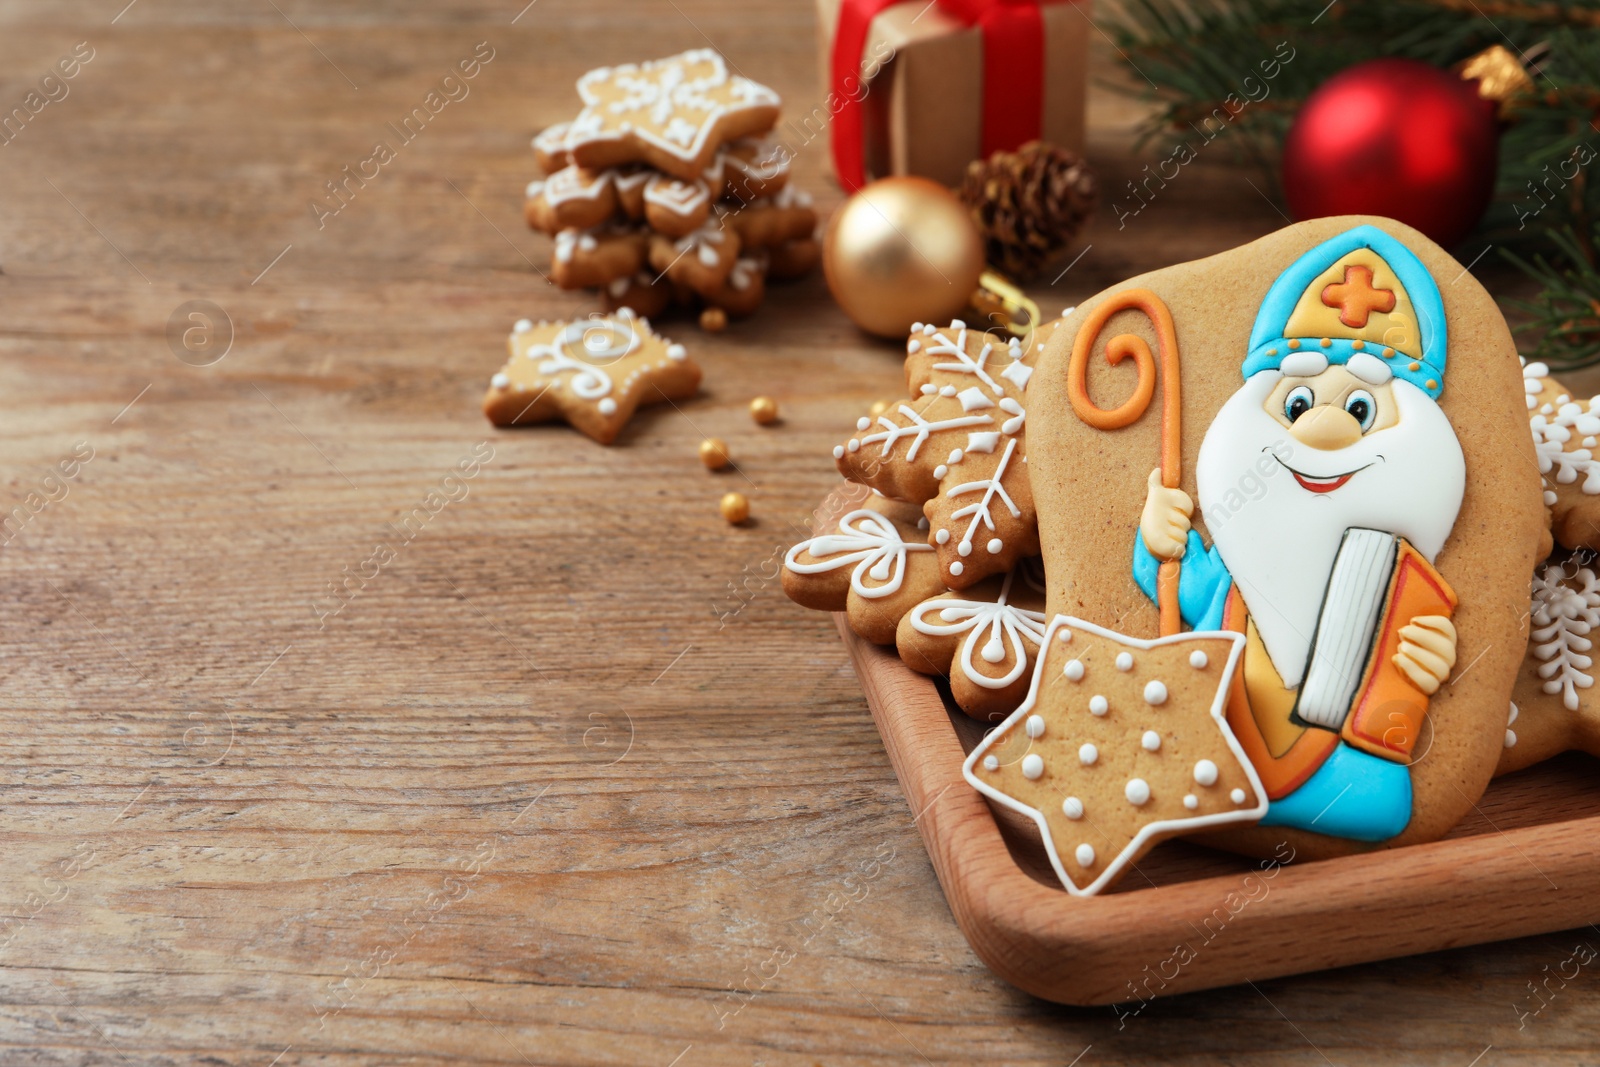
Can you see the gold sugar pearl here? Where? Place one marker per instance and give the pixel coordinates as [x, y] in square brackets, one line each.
[735, 507]
[713, 320]
[878, 408]
[714, 453]
[764, 410]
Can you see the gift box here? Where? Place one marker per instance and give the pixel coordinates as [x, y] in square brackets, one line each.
[938, 84]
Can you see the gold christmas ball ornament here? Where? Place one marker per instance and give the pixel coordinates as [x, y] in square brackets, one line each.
[901, 251]
[735, 508]
[714, 453]
[764, 410]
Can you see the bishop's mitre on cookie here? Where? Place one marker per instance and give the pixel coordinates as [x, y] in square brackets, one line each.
[1313, 449]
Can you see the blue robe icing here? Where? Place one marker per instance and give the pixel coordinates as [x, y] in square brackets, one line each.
[1354, 794]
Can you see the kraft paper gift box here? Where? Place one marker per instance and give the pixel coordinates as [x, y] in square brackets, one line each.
[922, 87]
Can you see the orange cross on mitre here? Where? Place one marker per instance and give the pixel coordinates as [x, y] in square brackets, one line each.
[1356, 298]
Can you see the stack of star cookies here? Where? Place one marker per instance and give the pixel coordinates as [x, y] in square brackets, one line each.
[665, 190]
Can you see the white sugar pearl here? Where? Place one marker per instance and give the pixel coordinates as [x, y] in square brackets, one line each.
[1084, 854]
[1072, 808]
[1197, 660]
[1073, 670]
[1190, 801]
[854, 445]
[863, 422]
[1137, 791]
[1098, 705]
[991, 763]
[995, 545]
[940, 471]
[957, 567]
[1155, 693]
[500, 381]
[941, 537]
[522, 326]
[607, 406]
[676, 353]
[838, 451]
[1151, 741]
[1035, 726]
[1088, 754]
[1063, 635]
[1032, 766]
[1205, 772]
[1237, 796]
[1124, 661]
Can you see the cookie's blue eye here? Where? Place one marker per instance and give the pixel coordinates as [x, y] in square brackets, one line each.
[1362, 407]
[1298, 402]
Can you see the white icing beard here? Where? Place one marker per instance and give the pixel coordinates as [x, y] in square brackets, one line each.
[1278, 539]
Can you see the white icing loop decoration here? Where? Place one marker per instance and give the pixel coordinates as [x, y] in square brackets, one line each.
[866, 539]
[1002, 622]
[596, 339]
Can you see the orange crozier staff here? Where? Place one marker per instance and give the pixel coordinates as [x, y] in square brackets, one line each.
[1119, 348]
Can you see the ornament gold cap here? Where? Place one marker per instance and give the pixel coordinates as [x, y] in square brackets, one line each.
[1500, 75]
[1001, 302]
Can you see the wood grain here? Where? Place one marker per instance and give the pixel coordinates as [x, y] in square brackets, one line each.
[568, 782]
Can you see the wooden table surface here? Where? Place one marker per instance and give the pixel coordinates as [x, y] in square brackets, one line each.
[565, 779]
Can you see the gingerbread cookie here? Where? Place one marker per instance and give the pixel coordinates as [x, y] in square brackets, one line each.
[960, 446]
[793, 259]
[643, 294]
[590, 259]
[550, 147]
[1314, 444]
[1566, 436]
[673, 113]
[752, 168]
[593, 373]
[744, 289]
[984, 639]
[872, 563]
[772, 222]
[675, 207]
[1554, 706]
[571, 198]
[700, 261]
[1120, 744]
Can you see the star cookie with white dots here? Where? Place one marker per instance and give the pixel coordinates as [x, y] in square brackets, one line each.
[591, 372]
[1120, 744]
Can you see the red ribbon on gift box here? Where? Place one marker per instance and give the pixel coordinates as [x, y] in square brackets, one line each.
[1013, 75]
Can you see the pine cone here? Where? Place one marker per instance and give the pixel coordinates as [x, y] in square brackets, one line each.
[1029, 205]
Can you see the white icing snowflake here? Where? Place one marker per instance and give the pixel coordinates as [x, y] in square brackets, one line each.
[1564, 613]
[866, 539]
[1003, 623]
[981, 509]
[1557, 425]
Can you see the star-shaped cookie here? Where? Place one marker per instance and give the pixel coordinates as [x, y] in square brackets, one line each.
[1121, 743]
[592, 372]
[672, 113]
[985, 639]
[959, 445]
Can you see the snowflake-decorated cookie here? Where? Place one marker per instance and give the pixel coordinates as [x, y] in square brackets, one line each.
[984, 638]
[593, 373]
[641, 293]
[959, 445]
[870, 563]
[550, 147]
[590, 259]
[1566, 435]
[672, 113]
[746, 286]
[1121, 743]
[752, 168]
[1554, 703]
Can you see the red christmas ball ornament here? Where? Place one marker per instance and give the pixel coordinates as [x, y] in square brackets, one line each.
[1399, 138]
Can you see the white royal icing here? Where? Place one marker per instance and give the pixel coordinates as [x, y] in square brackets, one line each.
[866, 539]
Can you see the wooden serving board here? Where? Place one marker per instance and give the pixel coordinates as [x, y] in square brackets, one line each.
[1191, 918]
